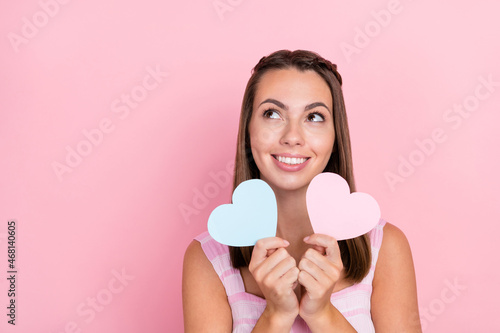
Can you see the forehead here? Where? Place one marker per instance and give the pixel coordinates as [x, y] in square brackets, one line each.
[293, 86]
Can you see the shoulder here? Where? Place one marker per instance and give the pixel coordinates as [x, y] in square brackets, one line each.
[394, 296]
[196, 263]
[194, 254]
[200, 257]
[394, 240]
[216, 252]
[394, 253]
[201, 286]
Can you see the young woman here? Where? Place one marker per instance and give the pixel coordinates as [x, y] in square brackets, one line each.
[293, 126]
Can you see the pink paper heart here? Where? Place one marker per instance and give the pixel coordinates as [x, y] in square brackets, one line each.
[336, 212]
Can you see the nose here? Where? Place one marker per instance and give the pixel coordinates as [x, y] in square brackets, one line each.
[292, 135]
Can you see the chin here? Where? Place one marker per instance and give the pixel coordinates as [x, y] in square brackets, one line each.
[284, 185]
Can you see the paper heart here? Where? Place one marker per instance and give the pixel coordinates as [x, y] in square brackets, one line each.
[252, 215]
[334, 211]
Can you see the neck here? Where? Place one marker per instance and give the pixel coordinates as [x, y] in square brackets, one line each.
[293, 220]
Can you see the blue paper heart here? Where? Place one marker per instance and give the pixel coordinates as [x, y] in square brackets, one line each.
[252, 215]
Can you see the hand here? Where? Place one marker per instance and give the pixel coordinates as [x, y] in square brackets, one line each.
[276, 273]
[320, 269]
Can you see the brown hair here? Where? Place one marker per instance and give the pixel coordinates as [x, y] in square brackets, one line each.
[356, 254]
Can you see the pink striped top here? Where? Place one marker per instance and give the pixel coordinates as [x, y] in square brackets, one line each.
[353, 302]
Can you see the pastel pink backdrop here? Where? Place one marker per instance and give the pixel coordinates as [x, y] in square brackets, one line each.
[119, 210]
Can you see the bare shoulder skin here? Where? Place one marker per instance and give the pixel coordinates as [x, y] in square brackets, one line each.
[205, 304]
[394, 306]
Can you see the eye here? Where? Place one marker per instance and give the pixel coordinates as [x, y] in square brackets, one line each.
[271, 114]
[315, 117]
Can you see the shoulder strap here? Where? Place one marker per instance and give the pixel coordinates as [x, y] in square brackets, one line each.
[218, 255]
[376, 235]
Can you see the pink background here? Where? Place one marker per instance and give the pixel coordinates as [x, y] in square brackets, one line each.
[65, 66]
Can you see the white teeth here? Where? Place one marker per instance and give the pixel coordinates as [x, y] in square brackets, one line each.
[291, 160]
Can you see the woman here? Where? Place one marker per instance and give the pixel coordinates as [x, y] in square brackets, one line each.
[293, 126]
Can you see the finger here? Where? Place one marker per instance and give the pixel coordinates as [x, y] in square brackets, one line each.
[331, 266]
[271, 251]
[291, 277]
[287, 283]
[327, 242]
[262, 268]
[314, 270]
[307, 281]
[280, 268]
[317, 258]
[320, 249]
[261, 248]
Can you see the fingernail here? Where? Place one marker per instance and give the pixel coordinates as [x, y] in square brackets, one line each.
[286, 242]
[306, 239]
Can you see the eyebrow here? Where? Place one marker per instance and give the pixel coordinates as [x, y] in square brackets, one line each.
[283, 106]
[315, 104]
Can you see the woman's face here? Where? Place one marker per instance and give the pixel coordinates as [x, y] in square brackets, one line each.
[291, 129]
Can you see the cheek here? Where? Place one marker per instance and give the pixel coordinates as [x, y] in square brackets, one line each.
[262, 137]
[322, 142]
[324, 149]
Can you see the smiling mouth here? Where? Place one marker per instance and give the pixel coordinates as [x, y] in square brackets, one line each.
[290, 160]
